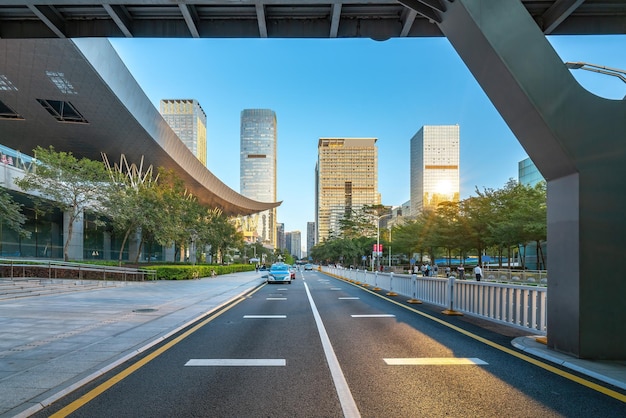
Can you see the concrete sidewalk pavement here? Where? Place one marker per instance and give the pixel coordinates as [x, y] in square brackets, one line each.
[53, 344]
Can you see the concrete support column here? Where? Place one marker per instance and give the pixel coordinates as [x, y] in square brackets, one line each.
[576, 140]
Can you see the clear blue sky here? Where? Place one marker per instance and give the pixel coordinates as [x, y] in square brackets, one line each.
[350, 88]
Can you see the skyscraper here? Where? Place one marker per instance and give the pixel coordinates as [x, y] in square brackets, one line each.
[435, 159]
[188, 120]
[258, 167]
[310, 237]
[346, 180]
[296, 244]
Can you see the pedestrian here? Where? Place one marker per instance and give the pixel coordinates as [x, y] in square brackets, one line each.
[428, 270]
[435, 270]
[461, 270]
[478, 272]
[447, 270]
[416, 269]
[424, 270]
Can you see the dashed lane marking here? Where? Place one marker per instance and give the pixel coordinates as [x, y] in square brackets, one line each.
[236, 362]
[433, 361]
[264, 316]
[374, 316]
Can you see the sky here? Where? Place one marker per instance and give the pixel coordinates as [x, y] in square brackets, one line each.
[347, 88]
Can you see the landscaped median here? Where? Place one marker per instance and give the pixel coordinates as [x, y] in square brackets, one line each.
[188, 272]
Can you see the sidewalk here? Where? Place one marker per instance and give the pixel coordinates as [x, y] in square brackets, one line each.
[52, 344]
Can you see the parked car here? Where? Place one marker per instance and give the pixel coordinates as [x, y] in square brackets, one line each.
[308, 267]
[279, 272]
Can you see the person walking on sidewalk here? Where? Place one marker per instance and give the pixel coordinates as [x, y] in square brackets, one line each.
[478, 272]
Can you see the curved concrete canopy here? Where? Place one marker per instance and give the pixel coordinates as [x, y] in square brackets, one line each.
[111, 113]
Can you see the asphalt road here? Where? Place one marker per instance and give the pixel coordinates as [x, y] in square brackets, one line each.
[321, 347]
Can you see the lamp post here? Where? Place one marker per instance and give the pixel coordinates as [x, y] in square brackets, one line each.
[378, 239]
[615, 72]
[389, 227]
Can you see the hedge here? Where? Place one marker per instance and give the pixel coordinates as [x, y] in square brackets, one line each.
[187, 272]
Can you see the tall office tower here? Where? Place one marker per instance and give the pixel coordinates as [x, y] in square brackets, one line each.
[346, 180]
[188, 121]
[288, 242]
[296, 244]
[434, 167]
[527, 173]
[310, 237]
[280, 236]
[258, 167]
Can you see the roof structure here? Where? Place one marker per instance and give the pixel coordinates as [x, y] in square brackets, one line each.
[78, 96]
[379, 19]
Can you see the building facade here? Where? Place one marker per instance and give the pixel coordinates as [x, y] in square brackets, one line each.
[310, 237]
[527, 173]
[258, 135]
[346, 180]
[435, 159]
[280, 236]
[296, 244]
[188, 121]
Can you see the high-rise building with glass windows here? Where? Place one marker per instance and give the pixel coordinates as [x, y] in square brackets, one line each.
[188, 121]
[435, 157]
[346, 180]
[257, 179]
[527, 173]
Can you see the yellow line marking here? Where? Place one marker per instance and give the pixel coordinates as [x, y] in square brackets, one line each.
[545, 366]
[94, 393]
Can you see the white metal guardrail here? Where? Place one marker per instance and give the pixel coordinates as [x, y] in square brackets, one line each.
[23, 268]
[519, 306]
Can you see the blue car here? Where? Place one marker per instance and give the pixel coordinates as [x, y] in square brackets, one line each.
[279, 273]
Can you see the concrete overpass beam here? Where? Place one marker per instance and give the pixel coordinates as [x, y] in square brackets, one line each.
[576, 141]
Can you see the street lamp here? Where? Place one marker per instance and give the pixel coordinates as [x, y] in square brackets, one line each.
[615, 72]
[621, 74]
[378, 238]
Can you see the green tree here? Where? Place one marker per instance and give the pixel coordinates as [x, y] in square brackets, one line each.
[73, 185]
[11, 214]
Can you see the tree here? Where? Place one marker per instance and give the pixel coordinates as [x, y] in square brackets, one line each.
[63, 181]
[11, 214]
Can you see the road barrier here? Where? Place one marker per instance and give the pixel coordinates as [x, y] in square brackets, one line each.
[520, 306]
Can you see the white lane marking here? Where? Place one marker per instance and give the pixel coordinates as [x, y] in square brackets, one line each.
[335, 288]
[441, 361]
[348, 405]
[264, 316]
[348, 298]
[275, 298]
[283, 289]
[374, 316]
[236, 362]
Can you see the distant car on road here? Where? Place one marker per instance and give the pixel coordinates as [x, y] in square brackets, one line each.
[279, 272]
[308, 267]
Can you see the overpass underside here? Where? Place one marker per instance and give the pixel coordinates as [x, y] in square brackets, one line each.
[575, 139]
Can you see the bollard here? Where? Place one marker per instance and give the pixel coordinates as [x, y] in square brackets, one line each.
[450, 310]
[391, 292]
[376, 288]
[414, 299]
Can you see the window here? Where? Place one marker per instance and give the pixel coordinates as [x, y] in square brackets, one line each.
[62, 111]
[7, 113]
